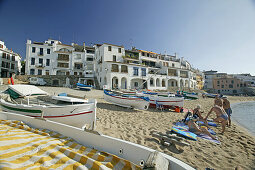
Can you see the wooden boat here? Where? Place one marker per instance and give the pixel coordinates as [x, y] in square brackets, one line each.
[187, 95]
[166, 101]
[31, 101]
[74, 147]
[129, 101]
[84, 87]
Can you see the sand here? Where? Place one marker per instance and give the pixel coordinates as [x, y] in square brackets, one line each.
[237, 145]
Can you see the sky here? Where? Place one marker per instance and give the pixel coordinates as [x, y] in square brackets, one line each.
[211, 34]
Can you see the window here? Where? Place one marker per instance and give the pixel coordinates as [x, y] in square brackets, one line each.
[143, 54]
[64, 65]
[143, 71]
[237, 85]
[4, 55]
[78, 56]
[52, 42]
[33, 49]
[67, 73]
[47, 62]
[32, 61]
[135, 71]
[41, 61]
[48, 51]
[78, 65]
[64, 57]
[39, 72]
[13, 58]
[232, 81]
[75, 73]
[32, 71]
[41, 51]
[80, 73]
[231, 86]
[109, 48]
[172, 64]
[114, 58]
[222, 86]
[12, 66]
[47, 72]
[8, 56]
[89, 59]
[218, 82]
[119, 49]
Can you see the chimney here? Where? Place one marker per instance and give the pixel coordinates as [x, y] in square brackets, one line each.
[84, 46]
[28, 41]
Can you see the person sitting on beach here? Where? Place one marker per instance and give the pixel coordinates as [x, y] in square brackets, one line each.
[222, 116]
[197, 114]
[226, 107]
[194, 128]
[218, 101]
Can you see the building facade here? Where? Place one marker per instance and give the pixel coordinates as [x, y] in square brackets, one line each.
[117, 67]
[10, 61]
[54, 58]
[227, 85]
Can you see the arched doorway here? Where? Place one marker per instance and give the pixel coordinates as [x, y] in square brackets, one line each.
[157, 82]
[115, 83]
[123, 83]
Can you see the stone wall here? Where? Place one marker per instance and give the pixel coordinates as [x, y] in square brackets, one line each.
[51, 80]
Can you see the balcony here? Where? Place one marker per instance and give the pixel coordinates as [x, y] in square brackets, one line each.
[132, 57]
[40, 65]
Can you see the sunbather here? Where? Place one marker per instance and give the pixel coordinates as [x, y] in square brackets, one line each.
[218, 101]
[193, 127]
[197, 114]
[222, 116]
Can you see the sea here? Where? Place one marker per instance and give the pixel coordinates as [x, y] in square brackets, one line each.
[244, 115]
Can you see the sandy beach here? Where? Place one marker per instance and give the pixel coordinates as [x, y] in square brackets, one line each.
[237, 145]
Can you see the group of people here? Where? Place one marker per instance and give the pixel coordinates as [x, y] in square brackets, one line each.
[222, 111]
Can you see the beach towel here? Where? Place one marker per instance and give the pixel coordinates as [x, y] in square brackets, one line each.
[206, 137]
[22, 147]
[182, 124]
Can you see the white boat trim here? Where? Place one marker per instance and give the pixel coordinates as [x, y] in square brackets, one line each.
[124, 149]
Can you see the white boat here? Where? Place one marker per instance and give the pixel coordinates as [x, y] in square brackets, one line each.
[62, 147]
[126, 100]
[34, 102]
[166, 102]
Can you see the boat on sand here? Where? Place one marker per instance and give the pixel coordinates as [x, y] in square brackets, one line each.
[129, 101]
[31, 101]
[59, 146]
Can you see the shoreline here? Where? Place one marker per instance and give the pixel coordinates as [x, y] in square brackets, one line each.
[237, 122]
[136, 126]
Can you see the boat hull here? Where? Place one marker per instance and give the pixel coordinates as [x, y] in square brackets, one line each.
[123, 149]
[77, 115]
[167, 102]
[130, 102]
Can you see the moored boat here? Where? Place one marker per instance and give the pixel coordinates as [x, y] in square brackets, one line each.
[31, 101]
[129, 101]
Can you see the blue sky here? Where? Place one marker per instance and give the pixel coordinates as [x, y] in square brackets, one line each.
[210, 34]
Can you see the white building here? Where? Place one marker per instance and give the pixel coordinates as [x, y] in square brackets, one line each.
[54, 58]
[132, 69]
[246, 79]
[10, 61]
[209, 76]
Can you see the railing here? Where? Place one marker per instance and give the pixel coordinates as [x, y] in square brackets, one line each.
[63, 58]
[114, 70]
[131, 57]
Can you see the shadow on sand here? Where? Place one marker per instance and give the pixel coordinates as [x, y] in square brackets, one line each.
[171, 148]
[115, 108]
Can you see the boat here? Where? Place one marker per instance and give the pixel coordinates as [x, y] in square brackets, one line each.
[84, 87]
[187, 95]
[60, 146]
[130, 101]
[31, 101]
[166, 101]
[209, 95]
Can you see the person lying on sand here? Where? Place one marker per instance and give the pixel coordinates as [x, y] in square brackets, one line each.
[222, 116]
[197, 114]
[194, 128]
[218, 101]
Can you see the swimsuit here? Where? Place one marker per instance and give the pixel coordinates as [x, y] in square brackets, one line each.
[228, 111]
[224, 116]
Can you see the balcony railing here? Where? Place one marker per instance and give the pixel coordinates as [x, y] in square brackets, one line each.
[131, 57]
[40, 54]
[63, 58]
[114, 70]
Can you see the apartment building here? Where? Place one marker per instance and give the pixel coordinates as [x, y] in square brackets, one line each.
[54, 58]
[227, 85]
[247, 80]
[117, 67]
[10, 61]
[209, 76]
